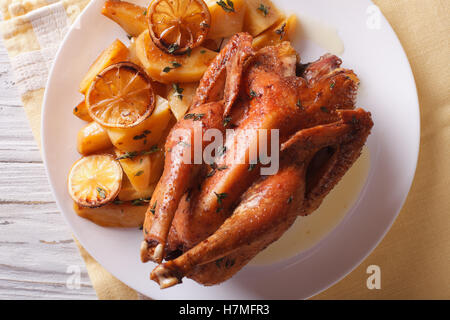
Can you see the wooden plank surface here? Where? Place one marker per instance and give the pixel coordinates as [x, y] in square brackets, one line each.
[38, 257]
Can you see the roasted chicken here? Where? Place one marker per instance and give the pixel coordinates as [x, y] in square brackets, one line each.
[209, 220]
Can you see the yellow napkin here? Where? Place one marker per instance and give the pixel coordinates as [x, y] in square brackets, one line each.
[414, 257]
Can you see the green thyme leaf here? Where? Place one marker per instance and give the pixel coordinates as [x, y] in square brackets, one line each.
[226, 121]
[227, 5]
[178, 90]
[264, 9]
[173, 47]
[128, 155]
[220, 197]
[324, 109]
[281, 31]
[139, 173]
[101, 193]
[153, 208]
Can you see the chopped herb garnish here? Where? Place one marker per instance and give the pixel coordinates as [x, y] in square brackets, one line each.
[140, 201]
[253, 94]
[219, 261]
[227, 5]
[202, 51]
[229, 263]
[281, 31]
[153, 208]
[188, 195]
[175, 65]
[153, 149]
[173, 47]
[140, 172]
[289, 200]
[354, 120]
[128, 155]
[220, 197]
[145, 12]
[178, 90]
[332, 84]
[299, 104]
[195, 116]
[221, 150]
[324, 109]
[101, 193]
[263, 9]
[226, 121]
[142, 136]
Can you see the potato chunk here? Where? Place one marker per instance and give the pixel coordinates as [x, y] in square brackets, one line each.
[180, 98]
[81, 112]
[92, 138]
[116, 52]
[129, 193]
[130, 17]
[167, 68]
[260, 15]
[279, 32]
[224, 24]
[137, 169]
[146, 134]
[124, 215]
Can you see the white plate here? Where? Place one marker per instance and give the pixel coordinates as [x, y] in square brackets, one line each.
[387, 90]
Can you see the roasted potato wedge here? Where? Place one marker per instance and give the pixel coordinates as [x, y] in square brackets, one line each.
[92, 138]
[116, 52]
[279, 32]
[124, 215]
[137, 169]
[260, 16]
[131, 17]
[81, 112]
[167, 68]
[146, 134]
[180, 98]
[129, 193]
[224, 24]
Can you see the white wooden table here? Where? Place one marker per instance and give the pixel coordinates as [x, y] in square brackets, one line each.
[37, 252]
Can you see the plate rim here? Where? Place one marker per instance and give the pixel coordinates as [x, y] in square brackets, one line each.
[344, 273]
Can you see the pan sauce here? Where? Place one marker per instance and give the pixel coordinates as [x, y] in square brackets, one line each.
[308, 231]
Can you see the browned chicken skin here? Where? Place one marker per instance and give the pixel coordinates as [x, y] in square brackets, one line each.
[320, 137]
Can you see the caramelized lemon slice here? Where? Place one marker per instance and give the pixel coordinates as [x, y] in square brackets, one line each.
[177, 26]
[121, 96]
[95, 180]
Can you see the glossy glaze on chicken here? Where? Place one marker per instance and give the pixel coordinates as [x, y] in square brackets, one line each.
[320, 136]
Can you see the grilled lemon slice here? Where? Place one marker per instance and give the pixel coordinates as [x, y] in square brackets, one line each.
[95, 180]
[121, 96]
[177, 26]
